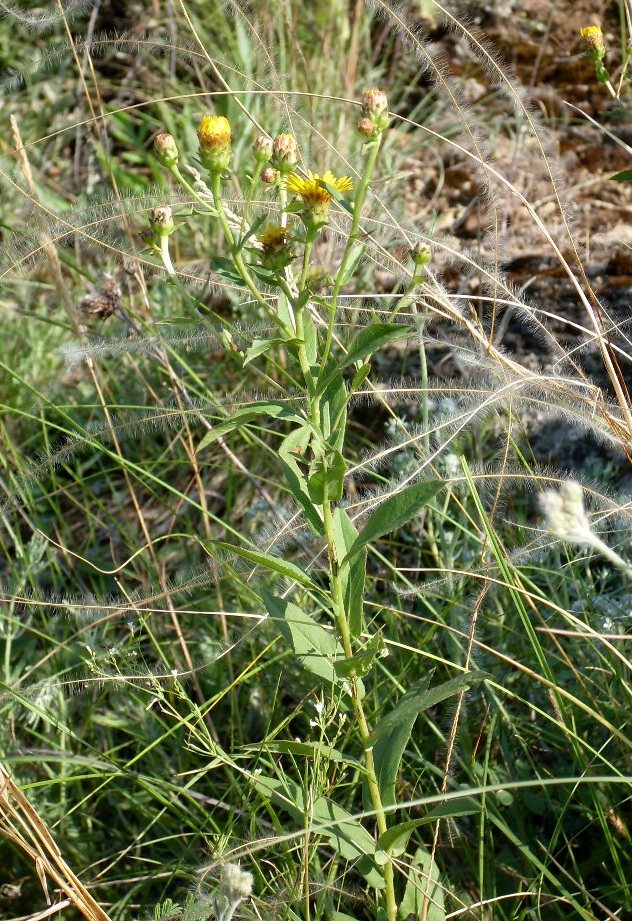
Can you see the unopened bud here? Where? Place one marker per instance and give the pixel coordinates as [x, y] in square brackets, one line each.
[367, 128]
[166, 150]
[375, 108]
[421, 254]
[161, 220]
[284, 153]
[262, 148]
[269, 175]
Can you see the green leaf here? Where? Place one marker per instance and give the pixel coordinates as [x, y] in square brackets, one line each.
[389, 748]
[327, 476]
[267, 277]
[260, 346]
[225, 269]
[357, 251]
[421, 698]
[360, 664]
[297, 481]
[624, 176]
[423, 896]
[270, 562]
[370, 339]
[359, 378]
[353, 574]
[395, 512]
[311, 342]
[246, 414]
[395, 841]
[344, 833]
[333, 405]
[311, 750]
[315, 647]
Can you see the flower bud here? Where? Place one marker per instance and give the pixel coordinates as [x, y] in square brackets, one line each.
[593, 43]
[262, 148]
[166, 150]
[161, 220]
[269, 175]
[421, 254]
[284, 153]
[214, 137]
[375, 108]
[367, 128]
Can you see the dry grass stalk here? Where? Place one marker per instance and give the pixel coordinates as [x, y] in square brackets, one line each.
[20, 824]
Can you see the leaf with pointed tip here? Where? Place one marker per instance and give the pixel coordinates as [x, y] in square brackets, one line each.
[345, 833]
[370, 339]
[246, 414]
[316, 647]
[271, 563]
[395, 512]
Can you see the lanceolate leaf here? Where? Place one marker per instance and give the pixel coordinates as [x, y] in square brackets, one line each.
[353, 573]
[270, 562]
[246, 414]
[371, 339]
[423, 896]
[345, 833]
[395, 512]
[421, 698]
[395, 841]
[391, 735]
[315, 647]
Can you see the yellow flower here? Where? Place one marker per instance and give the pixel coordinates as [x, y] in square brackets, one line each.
[311, 190]
[214, 138]
[593, 40]
[273, 238]
[277, 250]
[214, 132]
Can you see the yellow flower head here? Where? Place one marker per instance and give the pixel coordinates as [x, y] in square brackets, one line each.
[594, 43]
[277, 249]
[273, 238]
[311, 190]
[214, 132]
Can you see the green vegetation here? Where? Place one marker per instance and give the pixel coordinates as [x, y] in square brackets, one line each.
[292, 626]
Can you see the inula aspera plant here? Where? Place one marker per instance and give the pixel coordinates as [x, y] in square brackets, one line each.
[296, 626]
[321, 612]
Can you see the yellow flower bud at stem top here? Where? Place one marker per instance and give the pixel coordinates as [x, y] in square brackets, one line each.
[214, 137]
[284, 153]
[262, 148]
[375, 108]
[594, 43]
[166, 150]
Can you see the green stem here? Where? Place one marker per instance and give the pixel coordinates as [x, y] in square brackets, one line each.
[420, 321]
[351, 239]
[251, 195]
[240, 265]
[175, 172]
[344, 633]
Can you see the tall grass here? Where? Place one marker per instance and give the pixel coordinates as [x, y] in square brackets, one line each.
[277, 595]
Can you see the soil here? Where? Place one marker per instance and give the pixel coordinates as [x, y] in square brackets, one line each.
[539, 42]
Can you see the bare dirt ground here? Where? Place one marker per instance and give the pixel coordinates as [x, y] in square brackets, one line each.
[540, 42]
